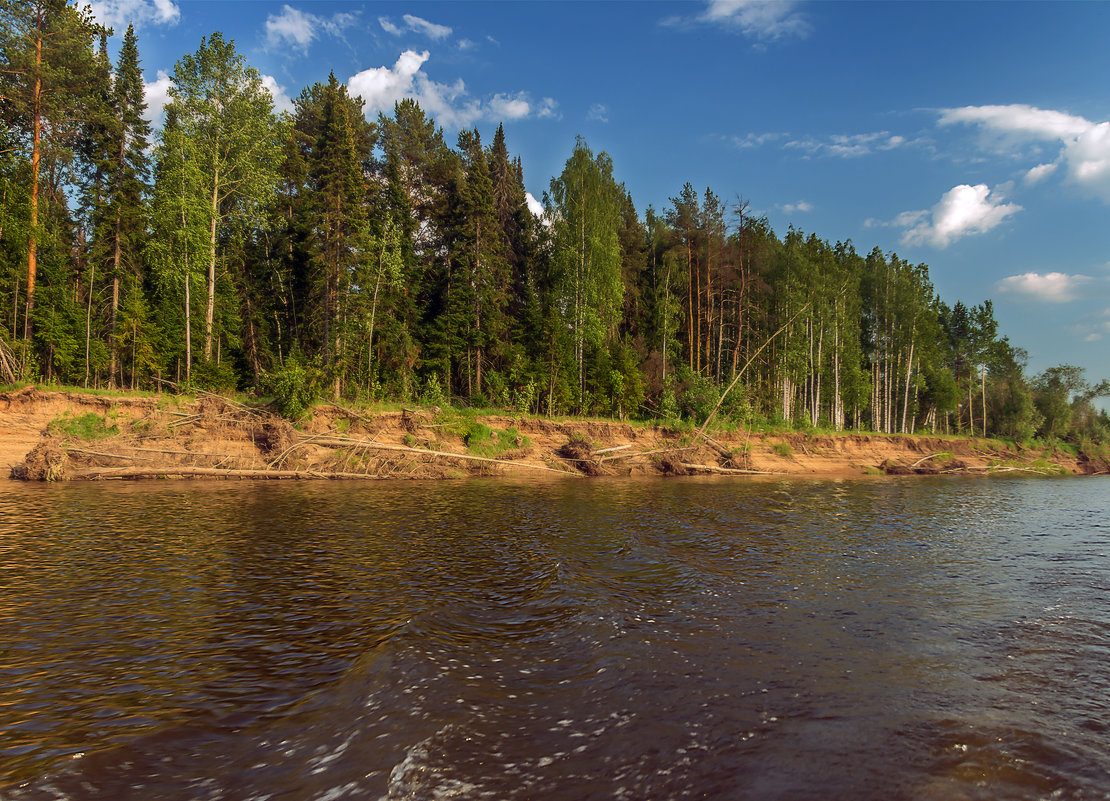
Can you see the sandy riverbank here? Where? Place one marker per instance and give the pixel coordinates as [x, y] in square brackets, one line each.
[131, 437]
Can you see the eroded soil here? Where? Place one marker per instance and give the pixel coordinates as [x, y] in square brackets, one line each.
[48, 435]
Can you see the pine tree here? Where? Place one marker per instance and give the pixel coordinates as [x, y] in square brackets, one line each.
[47, 49]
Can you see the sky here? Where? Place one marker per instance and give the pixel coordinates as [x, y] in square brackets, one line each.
[972, 137]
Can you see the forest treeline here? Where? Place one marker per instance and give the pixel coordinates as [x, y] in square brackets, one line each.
[318, 253]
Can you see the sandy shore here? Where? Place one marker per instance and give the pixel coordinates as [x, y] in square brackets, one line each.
[145, 437]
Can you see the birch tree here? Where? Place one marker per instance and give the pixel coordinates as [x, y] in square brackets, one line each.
[231, 138]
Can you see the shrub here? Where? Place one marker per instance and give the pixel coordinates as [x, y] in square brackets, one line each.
[295, 387]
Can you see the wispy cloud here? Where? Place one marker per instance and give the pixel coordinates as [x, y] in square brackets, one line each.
[1054, 287]
[800, 206]
[962, 211]
[755, 140]
[414, 24]
[849, 145]
[118, 13]
[763, 20]
[1084, 146]
[429, 29]
[450, 104]
[389, 27]
[836, 145]
[298, 29]
[598, 112]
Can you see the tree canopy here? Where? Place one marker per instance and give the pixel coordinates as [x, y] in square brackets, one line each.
[377, 261]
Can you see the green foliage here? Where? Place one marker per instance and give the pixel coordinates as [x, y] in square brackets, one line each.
[295, 387]
[215, 376]
[431, 393]
[697, 396]
[90, 426]
[405, 268]
[783, 449]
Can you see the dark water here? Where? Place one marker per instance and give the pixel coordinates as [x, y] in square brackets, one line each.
[921, 639]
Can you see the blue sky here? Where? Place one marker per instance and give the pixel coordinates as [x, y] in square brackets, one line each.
[972, 137]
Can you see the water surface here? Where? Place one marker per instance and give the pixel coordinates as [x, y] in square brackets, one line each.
[922, 639]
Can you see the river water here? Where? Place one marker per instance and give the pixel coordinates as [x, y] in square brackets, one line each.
[661, 639]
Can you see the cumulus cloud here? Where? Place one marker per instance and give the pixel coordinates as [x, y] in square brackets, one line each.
[282, 101]
[1039, 173]
[157, 94]
[1084, 145]
[1051, 287]
[450, 104]
[758, 19]
[118, 13]
[298, 29]
[801, 205]
[510, 107]
[534, 205]
[415, 24]
[961, 211]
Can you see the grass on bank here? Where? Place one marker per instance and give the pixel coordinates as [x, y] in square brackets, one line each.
[90, 426]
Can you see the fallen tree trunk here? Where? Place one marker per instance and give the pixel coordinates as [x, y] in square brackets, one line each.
[711, 468]
[369, 445]
[183, 471]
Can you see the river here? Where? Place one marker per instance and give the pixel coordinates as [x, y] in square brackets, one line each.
[500, 639]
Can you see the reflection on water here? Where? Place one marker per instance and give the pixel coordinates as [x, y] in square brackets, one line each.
[570, 640]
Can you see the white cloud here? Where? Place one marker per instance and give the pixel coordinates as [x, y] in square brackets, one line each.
[282, 101]
[466, 44]
[298, 29]
[389, 27]
[381, 87]
[450, 104]
[839, 145]
[510, 107]
[754, 140]
[157, 94]
[1051, 287]
[849, 145]
[961, 211]
[429, 29]
[118, 13]
[291, 27]
[759, 19]
[1085, 145]
[548, 109]
[801, 205]
[1039, 173]
[598, 112]
[534, 205]
[1018, 120]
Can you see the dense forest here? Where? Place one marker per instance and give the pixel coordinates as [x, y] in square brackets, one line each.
[319, 253]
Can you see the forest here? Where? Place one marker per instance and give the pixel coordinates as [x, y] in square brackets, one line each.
[319, 254]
